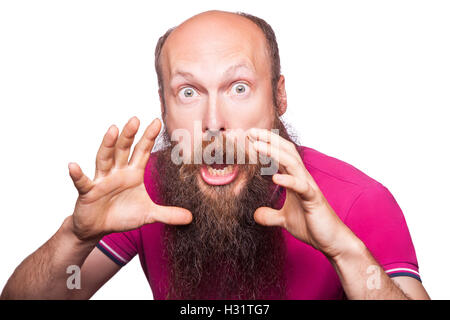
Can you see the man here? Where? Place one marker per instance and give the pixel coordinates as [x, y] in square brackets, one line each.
[316, 228]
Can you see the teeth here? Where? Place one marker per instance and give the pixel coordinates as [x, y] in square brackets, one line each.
[220, 172]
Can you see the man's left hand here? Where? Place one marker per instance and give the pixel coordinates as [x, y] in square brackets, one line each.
[306, 214]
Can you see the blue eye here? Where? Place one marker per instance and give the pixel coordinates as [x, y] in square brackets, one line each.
[188, 92]
[239, 88]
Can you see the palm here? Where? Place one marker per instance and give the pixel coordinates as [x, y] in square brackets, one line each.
[125, 210]
[312, 227]
[116, 200]
[120, 199]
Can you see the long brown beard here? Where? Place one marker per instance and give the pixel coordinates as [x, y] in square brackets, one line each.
[223, 253]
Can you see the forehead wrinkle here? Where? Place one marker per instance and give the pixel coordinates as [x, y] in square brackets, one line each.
[226, 74]
[232, 69]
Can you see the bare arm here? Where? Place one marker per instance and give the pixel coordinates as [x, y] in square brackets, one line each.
[115, 201]
[42, 275]
[363, 278]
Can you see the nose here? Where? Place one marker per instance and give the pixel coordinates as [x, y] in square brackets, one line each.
[213, 119]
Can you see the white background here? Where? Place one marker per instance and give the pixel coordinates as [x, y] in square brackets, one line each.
[367, 82]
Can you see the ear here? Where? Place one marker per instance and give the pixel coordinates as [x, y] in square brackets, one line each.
[281, 96]
[161, 102]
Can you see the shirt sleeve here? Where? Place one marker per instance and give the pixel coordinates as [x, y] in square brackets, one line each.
[376, 218]
[119, 247]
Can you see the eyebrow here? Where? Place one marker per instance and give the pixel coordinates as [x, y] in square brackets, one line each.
[232, 69]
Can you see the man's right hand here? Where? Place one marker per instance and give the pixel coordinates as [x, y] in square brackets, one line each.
[116, 200]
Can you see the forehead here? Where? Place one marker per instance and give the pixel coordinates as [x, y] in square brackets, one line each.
[211, 41]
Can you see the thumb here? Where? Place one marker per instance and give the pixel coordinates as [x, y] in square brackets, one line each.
[171, 215]
[80, 180]
[269, 217]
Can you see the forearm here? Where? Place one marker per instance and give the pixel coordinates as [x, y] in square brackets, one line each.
[43, 274]
[362, 277]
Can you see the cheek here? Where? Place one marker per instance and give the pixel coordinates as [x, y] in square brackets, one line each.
[257, 112]
[182, 116]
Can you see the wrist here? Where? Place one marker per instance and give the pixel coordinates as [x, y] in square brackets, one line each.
[68, 229]
[351, 250]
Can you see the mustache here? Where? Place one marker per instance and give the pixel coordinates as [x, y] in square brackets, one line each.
[220, 149]
[216, 148]
[227, 153]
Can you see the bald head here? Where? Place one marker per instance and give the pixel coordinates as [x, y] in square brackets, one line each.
[215, 26]
[213, 32]
[219, 31]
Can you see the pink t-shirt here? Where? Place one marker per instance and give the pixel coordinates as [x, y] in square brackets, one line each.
[363, 204]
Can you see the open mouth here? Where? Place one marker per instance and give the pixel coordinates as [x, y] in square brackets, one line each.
[219, 174]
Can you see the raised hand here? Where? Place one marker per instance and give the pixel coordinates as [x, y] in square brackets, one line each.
[306, 214]
[116, 200]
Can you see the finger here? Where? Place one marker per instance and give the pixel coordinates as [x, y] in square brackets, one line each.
[171, 215]
[291, 164]
[274, 139]
[142, 149]
[105, 155]
[80, 180]
[269, 217]
[125, 142]
[301, 186]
